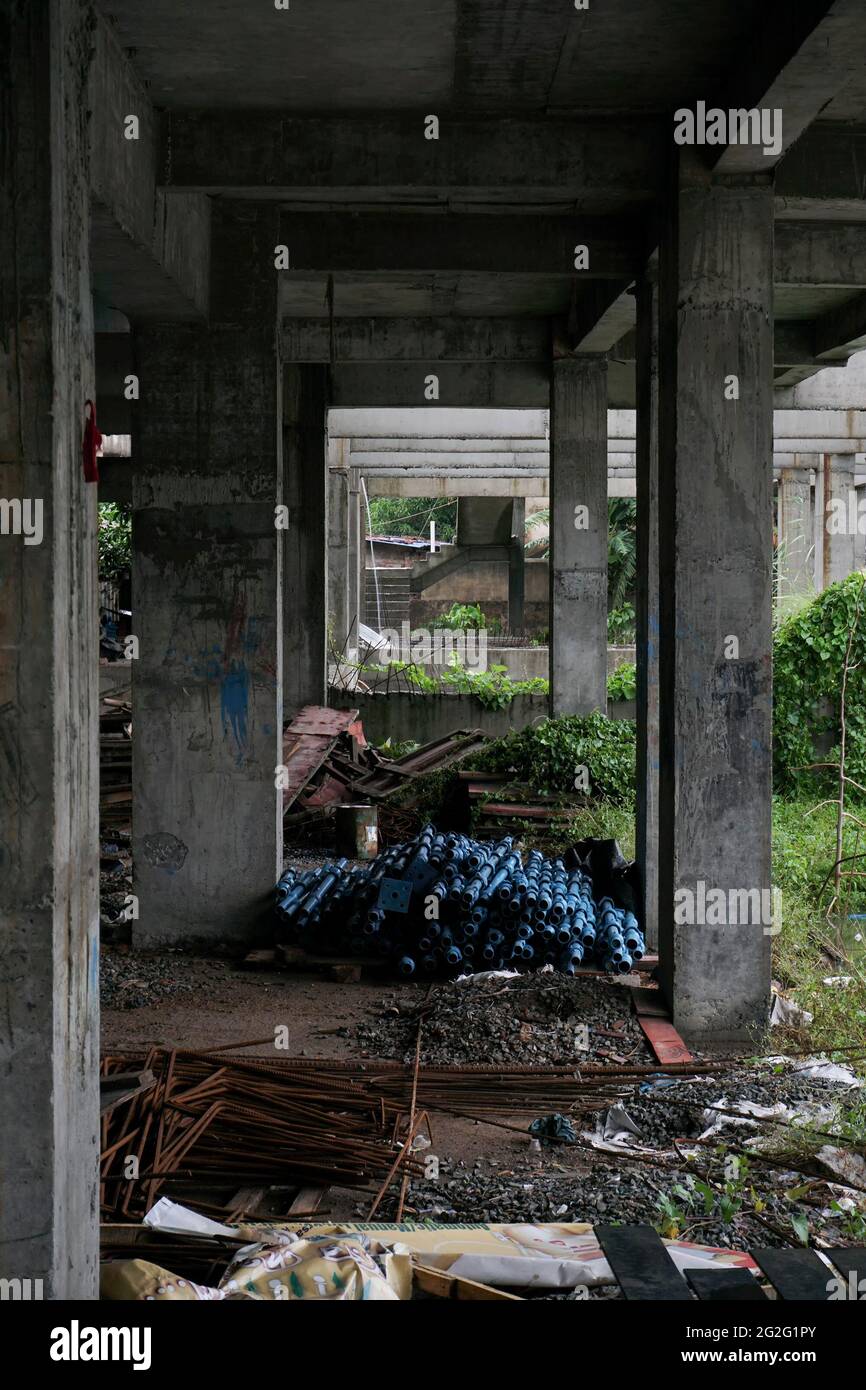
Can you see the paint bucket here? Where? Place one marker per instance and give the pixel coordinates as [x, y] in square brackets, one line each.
[357, 831]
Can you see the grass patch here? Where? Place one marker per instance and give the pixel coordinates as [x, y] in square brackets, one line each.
[803, 854]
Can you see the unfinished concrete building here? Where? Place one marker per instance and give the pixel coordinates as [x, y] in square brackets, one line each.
[219, 223]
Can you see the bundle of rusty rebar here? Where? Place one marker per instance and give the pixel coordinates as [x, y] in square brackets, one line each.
[212, 1120]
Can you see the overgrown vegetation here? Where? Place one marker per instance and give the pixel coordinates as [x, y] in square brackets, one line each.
[465, 617]
[621, 548]
[114, 540]
[550, 755]
[622, 683]
[621, 626]
[493, 688]
[808, 658]
[411, 516]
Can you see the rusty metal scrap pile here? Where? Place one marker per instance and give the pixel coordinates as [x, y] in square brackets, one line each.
[210, 1119]
[210, 1122]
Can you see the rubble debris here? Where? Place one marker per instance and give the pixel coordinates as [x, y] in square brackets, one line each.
[541, 1018]
[327, 760]
[442, 903]
[115, 762]
[554, 1129]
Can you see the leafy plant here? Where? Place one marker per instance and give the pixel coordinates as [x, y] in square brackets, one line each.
[548, 754]
[462, 617]
[808, 659]
[411, 516]
[493, 688]
[114, 540]
[622, 683]
[620, 625]
[621, 546]
[621, 550]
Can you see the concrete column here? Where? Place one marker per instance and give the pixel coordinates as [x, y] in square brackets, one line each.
[305, 451]
[355, 559]
[517, 567]
[49, 770]
[840, 518]
[818, 533]
[647, 606]
[338, 546]
[715, 620]
[794, 548]
[207, 602]
[578, 535]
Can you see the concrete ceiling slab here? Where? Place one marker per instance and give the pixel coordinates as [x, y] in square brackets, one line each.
[332, 55]
[804, 302]
[652, 56]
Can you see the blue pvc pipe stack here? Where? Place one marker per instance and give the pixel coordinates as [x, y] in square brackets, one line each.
[465, 906]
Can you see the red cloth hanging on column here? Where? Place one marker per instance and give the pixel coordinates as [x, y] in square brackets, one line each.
[92, 441]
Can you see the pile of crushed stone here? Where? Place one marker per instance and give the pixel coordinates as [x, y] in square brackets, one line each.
[544, 1018]
[128, 980]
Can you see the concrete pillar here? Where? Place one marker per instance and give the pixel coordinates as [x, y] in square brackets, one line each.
[818, 533]
[794, 532]
[647, 605]
[338, 547]
[207, 603]
[840, 518]
[517, 566]
[49, 771]
[715, 621]
[305, 405]
[355, 559]
[578, 535]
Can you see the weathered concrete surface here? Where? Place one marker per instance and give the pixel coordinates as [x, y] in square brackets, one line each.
[578, 536]
[840, 536]
[715, 574]
[794, 551]
[338, 542]
[150, 249]
[207, 605]
[49, 775]
[647, 600]
[400, 715]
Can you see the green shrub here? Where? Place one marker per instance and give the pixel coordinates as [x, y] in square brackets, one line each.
[621, 625]
[493, 688]
[808, 657]
[622, 683]
[463, 617]
[114, 540]
[548, 755]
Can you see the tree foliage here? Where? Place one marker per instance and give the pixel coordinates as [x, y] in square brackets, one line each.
[809, 653]
[411, 516]
[114, 540]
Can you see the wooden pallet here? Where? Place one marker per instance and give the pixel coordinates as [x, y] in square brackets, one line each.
[343, 969]
[644, 1270]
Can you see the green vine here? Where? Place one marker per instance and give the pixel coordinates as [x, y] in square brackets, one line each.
[808, 657]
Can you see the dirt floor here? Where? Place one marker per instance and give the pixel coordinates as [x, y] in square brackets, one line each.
[497, 1171]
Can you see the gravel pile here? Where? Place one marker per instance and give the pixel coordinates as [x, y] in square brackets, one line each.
[529, 1018]
[616, 1191]
[130, 981]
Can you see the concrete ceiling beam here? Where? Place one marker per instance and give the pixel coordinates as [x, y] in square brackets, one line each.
[150, 251]
[823, 175]
[822, 255]
[798, 58]
[842, 331]
[492, 385]
[416, 340]
[382, 243]
[589, 163]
